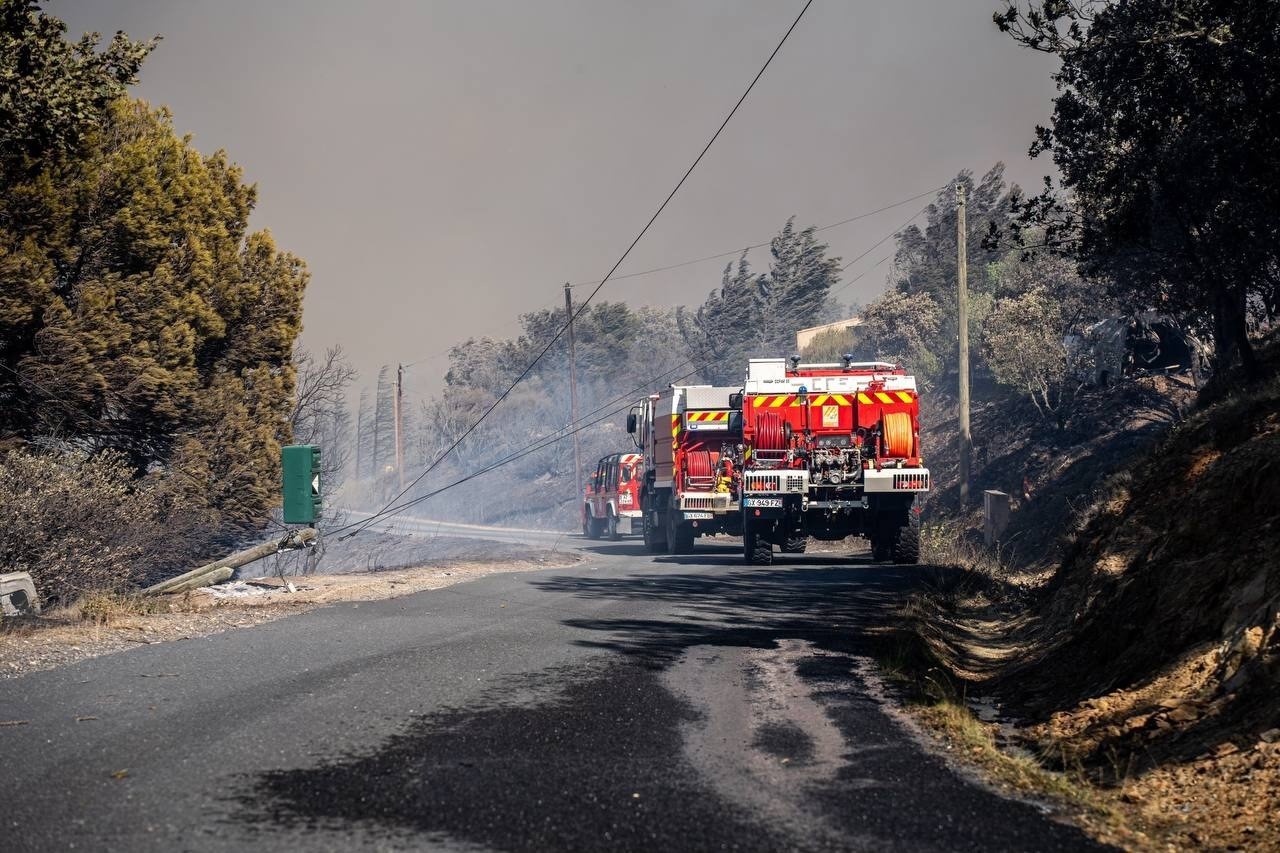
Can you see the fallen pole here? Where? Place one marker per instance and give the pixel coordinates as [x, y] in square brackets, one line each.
[223, 569]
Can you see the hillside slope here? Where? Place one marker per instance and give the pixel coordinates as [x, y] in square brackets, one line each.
[1150, 658]
[1051, 472]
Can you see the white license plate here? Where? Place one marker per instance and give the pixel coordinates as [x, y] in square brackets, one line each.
[698, 516]
[764, 502]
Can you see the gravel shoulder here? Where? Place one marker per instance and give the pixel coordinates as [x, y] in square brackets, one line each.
[45, 642]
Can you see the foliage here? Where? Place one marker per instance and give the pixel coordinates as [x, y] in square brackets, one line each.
[1041, 307]
[903, 328]
[758, 315]
[320, 410]
[829, 346]
[926, 260]
[1024, 347]
[52, 91]
[1164, 135]
[622, 354]
[77, 524]
[140, 315]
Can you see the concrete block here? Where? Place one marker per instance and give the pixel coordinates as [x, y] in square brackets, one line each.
[18, 594]
[995, 514]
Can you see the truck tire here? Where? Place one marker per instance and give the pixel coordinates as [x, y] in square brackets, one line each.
[906, 544]
[679, 535]
[590, 528]
[612, 528]
[653, 542]
[795, 544]
[756, 549]
[881, 548]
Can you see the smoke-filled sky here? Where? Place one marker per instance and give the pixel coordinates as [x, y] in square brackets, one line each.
[443, 166]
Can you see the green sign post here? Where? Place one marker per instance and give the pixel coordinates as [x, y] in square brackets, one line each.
[302, 499]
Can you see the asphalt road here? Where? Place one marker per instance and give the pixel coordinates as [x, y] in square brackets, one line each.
[630, 703]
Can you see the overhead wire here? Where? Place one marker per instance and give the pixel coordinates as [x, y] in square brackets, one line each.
[583, 305]
[566, 430]
[886, 237]
[705, 258]
[560, 434]
[733, 252]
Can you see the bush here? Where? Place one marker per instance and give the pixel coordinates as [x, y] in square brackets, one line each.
[80, 523]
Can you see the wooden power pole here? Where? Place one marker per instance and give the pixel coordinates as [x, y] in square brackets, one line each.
[573, 390]
[399, 414]
[962, 300]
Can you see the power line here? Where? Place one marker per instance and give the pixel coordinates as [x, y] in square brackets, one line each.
[769, 242]
[561, 433]
[540, 444]
[705, 258]
[861, 274]
[564, 432]
[886, 238]
[582, 307]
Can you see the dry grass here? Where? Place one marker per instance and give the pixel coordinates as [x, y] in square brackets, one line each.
[106, 608]
[103, 622]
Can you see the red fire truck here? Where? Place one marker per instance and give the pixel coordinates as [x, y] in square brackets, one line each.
[611, 501]
[689, 436]
[829, 451]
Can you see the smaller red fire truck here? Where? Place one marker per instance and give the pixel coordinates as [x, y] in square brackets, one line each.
[690, 436]
[611, 501]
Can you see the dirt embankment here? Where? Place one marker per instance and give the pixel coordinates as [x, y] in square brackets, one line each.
[1148, 663]
[1051, 472]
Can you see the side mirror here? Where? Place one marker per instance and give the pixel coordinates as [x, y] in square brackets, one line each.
[631, 423]
[735, 401]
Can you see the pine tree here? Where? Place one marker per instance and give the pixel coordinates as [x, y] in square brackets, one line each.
[142, 316]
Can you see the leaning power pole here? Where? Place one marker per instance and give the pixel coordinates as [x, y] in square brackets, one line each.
[399, 416]
[962, 299]
[573, 390]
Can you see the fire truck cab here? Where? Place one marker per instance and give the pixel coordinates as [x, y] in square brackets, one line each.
[611, 500]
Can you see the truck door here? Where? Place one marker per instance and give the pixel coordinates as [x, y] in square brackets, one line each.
[598, 481]
[611, 486]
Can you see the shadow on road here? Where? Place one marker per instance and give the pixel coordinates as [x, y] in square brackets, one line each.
[842, 608]
[602, 759]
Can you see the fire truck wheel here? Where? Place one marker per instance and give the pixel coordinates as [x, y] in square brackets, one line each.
[614, 535]
[881, 549]
[757, 550]
[795, 544]
[589, 528]
[652, 542]
[679, 535]
[906, 545]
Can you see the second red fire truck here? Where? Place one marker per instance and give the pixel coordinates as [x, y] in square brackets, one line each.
[689, 436]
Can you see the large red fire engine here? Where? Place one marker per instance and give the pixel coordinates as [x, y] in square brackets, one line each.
[611, 502]
[689, 436]
[829, 451]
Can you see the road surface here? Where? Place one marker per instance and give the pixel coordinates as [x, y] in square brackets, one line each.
[629, 703]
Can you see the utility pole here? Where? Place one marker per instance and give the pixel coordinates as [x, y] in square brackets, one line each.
[573, 390]
[359, 437]
[377, 427]
[399, 412]
[962, 274]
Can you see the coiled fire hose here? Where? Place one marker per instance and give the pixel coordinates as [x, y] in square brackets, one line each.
[769, 432]
[699, 464]
[898, 434]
